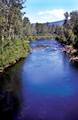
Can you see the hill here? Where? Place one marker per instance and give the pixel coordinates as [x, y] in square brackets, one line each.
[59, 23]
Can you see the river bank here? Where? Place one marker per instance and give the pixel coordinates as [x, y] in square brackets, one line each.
[70, 50]
[72, 53]
[14, 54]
[44, 37]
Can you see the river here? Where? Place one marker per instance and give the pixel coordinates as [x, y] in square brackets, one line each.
[49, 84]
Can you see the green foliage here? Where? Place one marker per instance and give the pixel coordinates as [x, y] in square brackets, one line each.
[27, 28]
[14, 51]
[68, 33]
[43, 29]
[13, 41]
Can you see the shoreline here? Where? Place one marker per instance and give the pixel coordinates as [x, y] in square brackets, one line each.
[7, 67]
[31, 38]
[72, 53]
[12, 64]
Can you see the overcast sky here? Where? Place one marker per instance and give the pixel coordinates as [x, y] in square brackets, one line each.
[48, 10]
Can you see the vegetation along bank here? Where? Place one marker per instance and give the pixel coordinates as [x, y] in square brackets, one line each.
[67, 34]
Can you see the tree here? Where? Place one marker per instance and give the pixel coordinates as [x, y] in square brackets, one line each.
[74, 24]
[27, 29]
[11, 31]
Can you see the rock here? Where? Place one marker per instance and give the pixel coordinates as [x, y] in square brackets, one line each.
[72, 52]
[74, 59]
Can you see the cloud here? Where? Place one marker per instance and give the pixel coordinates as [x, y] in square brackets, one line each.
[48, 16]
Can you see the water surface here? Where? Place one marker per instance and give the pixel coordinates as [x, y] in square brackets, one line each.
[49, 84]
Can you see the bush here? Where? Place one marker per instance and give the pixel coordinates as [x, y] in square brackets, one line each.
[75, 44]
[13, 52]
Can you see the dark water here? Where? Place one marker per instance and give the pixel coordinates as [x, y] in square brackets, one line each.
[49, 84]
[10, 92]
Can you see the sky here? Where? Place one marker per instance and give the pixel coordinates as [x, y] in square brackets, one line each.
[42, 11]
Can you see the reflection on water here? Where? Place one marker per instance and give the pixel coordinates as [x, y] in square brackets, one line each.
[9, 93]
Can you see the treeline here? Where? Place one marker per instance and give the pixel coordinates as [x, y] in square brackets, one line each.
[44, 29]
[14, 29]
[68, 33]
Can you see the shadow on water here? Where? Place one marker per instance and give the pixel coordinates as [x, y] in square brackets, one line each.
[10, 95]
[72, 115]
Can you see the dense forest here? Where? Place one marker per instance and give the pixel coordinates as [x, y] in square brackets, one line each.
[16, 31]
